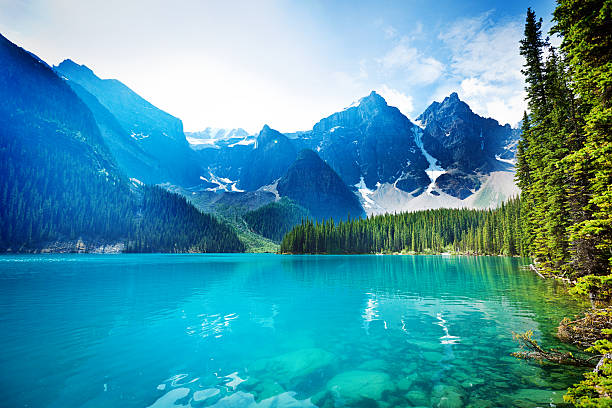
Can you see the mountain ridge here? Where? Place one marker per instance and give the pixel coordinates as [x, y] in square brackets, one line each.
[156, 132]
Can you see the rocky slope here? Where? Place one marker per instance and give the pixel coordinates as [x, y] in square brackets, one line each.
[450, 156]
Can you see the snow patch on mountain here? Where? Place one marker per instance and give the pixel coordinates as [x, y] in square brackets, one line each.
[244, 142]
[136, 182]
[138, 136]
[271, 188]
[496, 188]
[365, 193]
[419, 123]
[194, 141]
[434, 170]
[509, 161]
[223, 183]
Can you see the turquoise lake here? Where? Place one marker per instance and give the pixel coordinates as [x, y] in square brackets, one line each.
[269, 331]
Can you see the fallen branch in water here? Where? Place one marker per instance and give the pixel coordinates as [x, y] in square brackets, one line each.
[531, 350]
[533, 268]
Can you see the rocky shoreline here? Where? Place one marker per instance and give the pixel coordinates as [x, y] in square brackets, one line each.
[70, 247]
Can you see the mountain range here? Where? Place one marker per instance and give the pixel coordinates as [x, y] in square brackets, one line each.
[449, 157]
[366, 159]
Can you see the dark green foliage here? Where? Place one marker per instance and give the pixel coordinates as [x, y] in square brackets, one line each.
[485, 232]
[43, 199]
[275, 219]
[587, 48]
[168, 223]
[564, 160]
[57, 177]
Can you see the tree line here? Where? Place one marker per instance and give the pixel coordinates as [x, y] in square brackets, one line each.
[564, 160]
[468, 231]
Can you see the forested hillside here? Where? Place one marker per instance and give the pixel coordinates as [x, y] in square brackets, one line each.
[60, 183]
[168, 223]
[484, 232]
[275, 219]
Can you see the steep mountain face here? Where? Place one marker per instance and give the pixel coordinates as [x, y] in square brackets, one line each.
[465, 144]
[131, 158]
[61, 184]
[268, 161]
[56, 169]
[374, 142]
[314, 185]
[454, 158]
[156, 132]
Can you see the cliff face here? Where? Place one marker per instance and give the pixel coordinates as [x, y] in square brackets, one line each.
[150, 143]
[268, 161]
[373, 141]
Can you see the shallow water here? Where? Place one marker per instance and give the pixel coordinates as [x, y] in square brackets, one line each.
[274, 331]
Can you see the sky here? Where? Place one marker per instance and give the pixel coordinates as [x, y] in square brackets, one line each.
[287, 64]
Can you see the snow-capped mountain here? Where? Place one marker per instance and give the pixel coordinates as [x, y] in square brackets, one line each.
[373, 142]
[268, 161]
[218, 138]
[451, 157]
[465, 144]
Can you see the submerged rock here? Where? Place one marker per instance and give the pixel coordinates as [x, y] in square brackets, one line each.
[267, 389]
[288, 367]
[406, 383]
[538, 396]
[242, 399]
[444, 396]
[205, 394]
[352, 386]
[417, 398]
[171, 398]
[285, 400]
[433, 356]
[236, 400]
[374, 365]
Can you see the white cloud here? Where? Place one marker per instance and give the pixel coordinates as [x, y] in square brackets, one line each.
[390, 32]
[486, 66]
[412, 64]
[398, 99]
[500, 101]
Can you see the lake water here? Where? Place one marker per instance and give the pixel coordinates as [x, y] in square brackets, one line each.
[274, 331]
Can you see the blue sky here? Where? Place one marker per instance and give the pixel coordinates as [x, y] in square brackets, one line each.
[286, 63]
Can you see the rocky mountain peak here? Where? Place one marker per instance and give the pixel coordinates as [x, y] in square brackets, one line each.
[446, 111]
[267, 135]
[373, 99]
[73, 70]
